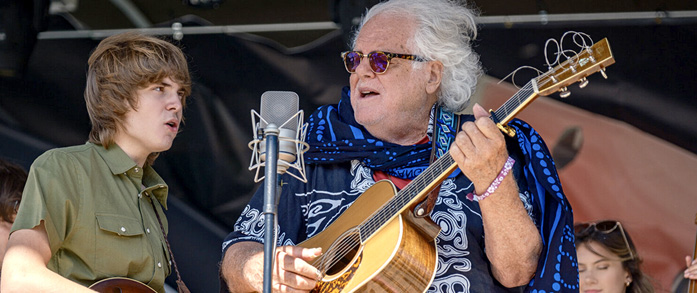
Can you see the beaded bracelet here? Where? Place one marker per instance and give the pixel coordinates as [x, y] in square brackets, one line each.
[495, 184]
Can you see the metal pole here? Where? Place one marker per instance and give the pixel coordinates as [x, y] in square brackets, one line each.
[270, 207]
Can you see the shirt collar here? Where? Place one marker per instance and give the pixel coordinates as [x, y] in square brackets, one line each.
[120, 163]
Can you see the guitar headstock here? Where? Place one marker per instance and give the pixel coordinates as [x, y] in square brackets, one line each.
[575, 69]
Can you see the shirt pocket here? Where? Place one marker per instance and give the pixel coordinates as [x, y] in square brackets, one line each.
[121, 245]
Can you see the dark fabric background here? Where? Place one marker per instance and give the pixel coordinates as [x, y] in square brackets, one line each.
[651, 87]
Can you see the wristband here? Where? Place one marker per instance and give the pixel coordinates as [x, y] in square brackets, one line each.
[495, 184]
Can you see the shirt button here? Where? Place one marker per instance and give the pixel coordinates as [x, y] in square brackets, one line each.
[147, 230]
[140, 195]
[136, 170]
[123, 229]
[159, 264]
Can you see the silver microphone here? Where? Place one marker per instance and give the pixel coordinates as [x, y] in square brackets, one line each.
[279, 112]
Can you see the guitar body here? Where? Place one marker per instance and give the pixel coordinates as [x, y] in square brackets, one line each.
[402, 257]
[121, 285]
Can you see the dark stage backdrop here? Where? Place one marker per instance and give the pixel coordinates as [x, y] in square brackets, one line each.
[651, 87]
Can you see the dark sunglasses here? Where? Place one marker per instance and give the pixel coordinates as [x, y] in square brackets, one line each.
[379, 60]
[605, 227]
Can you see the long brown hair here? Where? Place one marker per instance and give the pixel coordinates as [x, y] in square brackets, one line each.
[119, 66]
[12, 180]
[617, 241]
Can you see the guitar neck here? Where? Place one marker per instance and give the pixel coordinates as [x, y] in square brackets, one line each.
[414, 192]
[515, 104]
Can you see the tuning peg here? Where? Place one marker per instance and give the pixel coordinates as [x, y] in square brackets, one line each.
[602, 72]
[564, 92]
[583, 82]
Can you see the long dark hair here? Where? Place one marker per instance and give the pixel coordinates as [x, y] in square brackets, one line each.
[611, 235]
[12, 180]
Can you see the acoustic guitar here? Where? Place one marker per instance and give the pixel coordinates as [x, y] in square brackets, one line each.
[378, 245]
[121, 285]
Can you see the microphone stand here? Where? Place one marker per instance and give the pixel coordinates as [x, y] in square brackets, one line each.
[279, 144]
[270, 203]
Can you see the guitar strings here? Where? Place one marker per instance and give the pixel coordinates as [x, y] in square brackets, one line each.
[512, 104]
[513, 73]
[582, 40]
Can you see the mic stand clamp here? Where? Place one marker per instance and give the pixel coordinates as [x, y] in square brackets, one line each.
[270, 203]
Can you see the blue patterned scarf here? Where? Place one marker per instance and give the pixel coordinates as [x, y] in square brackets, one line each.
[334, 136]
[557, 268]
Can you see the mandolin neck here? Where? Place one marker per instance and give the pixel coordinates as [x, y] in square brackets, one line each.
[692, 287]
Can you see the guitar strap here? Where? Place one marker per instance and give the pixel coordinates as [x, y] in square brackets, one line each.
[181, 287]
[445, 127]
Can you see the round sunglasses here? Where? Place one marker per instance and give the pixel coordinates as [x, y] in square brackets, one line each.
[379, 60]
[605, 227]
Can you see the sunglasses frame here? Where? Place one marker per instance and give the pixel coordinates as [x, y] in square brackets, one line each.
[594, 225]
[370, 60]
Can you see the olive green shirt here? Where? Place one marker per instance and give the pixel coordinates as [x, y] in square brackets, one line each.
[97, 210]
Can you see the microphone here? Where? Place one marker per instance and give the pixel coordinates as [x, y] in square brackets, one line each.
[278, 145]
[279, 116]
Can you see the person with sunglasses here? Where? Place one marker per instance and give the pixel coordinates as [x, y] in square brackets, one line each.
[608, 260]
[504, 221]
[12, 180]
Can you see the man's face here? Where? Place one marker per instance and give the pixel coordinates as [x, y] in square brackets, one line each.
[394, 105]
[154, 123]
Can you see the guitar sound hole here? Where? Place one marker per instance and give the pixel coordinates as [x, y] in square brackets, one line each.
[342, 257]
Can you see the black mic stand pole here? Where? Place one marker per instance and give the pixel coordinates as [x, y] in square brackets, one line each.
[270, 203]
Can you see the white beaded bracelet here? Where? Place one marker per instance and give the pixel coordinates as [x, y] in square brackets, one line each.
[495, 184]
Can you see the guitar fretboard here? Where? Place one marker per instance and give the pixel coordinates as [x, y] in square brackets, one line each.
[434, 174]
[513, 105]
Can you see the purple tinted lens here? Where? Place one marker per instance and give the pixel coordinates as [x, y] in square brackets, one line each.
[378, 61]
[352, 60]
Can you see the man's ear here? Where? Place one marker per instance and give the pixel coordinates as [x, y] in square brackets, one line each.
[435, 76]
